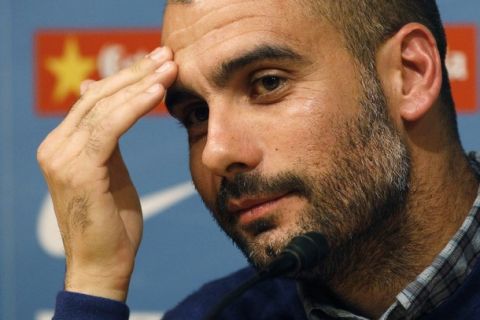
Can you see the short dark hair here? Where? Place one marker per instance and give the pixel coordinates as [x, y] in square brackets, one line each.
[367, 24]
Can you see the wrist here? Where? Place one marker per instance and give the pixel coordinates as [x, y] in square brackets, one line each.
[109, 287]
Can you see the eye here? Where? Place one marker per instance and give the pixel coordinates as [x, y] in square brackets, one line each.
[266, 85]
[196, 115]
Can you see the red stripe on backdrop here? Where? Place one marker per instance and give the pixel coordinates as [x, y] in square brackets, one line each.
[64, 58]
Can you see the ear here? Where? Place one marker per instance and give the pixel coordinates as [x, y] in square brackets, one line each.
[412, 62]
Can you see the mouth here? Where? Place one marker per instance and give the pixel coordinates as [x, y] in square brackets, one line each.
[249, 209]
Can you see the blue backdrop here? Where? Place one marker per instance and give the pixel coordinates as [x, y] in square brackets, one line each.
[182, 247]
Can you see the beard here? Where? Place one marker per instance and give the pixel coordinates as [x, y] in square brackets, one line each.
[358, 205]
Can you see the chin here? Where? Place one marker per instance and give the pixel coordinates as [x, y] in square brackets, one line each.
[264, 247]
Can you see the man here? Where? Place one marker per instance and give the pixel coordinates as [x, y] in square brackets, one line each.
[327, 116]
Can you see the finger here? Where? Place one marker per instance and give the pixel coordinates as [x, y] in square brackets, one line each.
[108, 86]
[84, 85]
[111, 125]
[54, 142]
[104, 107]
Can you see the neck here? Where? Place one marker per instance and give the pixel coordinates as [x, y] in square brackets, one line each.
[441, 196]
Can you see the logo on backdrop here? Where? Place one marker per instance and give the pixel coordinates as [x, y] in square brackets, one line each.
[63, 59]
[48, 233]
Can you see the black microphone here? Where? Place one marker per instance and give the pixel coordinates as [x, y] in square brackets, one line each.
[302, 253]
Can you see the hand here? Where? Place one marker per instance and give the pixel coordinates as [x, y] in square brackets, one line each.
[96, 205]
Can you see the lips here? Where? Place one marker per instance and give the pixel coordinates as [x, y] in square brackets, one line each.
[249, 209]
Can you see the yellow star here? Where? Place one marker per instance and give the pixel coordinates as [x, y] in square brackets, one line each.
[70, 70]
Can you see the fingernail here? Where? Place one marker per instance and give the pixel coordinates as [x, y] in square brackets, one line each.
[154, 88]
[158, 54]
[164, 67]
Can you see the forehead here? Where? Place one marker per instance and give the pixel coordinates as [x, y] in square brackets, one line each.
[209, 28]
[208, 35]
[185, 24]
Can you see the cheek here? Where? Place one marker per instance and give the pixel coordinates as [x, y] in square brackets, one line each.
[309, 132]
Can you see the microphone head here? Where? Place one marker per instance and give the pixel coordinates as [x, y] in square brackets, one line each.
[309, 249]
[302, 253]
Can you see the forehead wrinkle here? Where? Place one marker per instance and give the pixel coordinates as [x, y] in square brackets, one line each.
[262, 28]
[195, 30]
[189, 35]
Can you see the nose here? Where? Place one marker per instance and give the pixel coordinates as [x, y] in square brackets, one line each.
[232, 145]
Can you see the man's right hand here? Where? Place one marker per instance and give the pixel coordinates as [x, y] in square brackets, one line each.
[96, 205]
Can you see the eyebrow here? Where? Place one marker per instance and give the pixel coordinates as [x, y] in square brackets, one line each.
[223, 74]
[264, 52]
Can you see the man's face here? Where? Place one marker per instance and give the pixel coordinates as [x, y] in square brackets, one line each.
[283, 137]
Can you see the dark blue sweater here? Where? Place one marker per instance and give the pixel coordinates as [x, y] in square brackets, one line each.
[274, 299]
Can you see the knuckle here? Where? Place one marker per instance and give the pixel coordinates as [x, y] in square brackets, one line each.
[94, 87]
[42, 156]
[128, 91]
[58, 168]
[85, 123]
[66, 177]
[73, 180]
[93, 145]
[101, 104]
[94, 92]
[43, 151]
[89, 121]
[137, 67]
[85, 85]
[55, 167]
